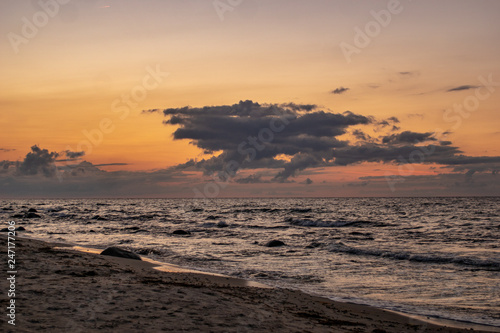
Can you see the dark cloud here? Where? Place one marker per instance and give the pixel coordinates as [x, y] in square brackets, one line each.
[38, 161]
[408, 137]
[251, 135]
[74, 154]
[392, 154]
[388, 122]
[110, 164]
[5, 166]
[464, 87]
[71, 156]
[252, 179]
[360, 135]
[466, 160]
[339, 90]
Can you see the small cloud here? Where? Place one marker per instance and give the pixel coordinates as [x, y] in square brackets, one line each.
[415, 115]
[252, 179]
[38, 161]
[360, 135]
[74, 154]
[464, 87]
[408, 137]
[339, 90]
[308, 181]
[110, 164]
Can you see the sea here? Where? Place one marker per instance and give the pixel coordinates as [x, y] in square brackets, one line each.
[435, 257]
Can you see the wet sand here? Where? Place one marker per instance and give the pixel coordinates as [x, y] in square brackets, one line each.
[60, 289]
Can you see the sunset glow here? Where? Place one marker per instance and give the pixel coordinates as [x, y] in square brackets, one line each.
[77, 78]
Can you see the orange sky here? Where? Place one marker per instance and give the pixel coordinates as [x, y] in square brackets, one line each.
[64, 80]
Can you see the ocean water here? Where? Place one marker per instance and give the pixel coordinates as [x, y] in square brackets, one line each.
[427, 256]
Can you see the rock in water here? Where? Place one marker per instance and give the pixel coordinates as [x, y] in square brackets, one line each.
[117, 252]
[32, 210]
[181, 232]
[222, 224]
[275, 243]
[31, 215]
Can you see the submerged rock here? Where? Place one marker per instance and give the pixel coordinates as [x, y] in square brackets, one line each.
[117, 252]
[313, 245]
[99, 218]
[275, 243]
[222, 224]
[32, 210]
[181, 232]
[31, 215]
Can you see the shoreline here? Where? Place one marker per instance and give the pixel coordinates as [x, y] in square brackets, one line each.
[239, 282]
[179, 299]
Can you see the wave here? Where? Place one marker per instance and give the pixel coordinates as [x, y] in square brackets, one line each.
[331, 224]
[441, 258]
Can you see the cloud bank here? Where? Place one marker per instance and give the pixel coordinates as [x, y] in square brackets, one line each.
[251, 145]
[247, 136]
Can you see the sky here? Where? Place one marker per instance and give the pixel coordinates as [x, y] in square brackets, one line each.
[249, 98]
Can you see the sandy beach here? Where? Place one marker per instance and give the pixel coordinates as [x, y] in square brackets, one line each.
[59, 289]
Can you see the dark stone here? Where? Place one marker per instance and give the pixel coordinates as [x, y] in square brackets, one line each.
[222, 224]
[117, 252]
[17, 216]
[31, 215]
[7, 208]
[99, 218]
[32, 210]
[20, 229]
[313, 245]
[211, 217]
[275, 243]
[181, 232]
